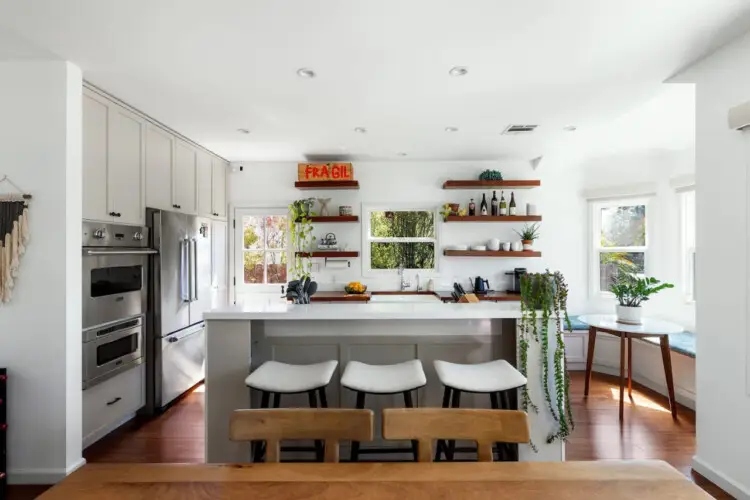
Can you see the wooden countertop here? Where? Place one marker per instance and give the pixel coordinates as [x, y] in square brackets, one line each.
[340, 297]
[610, 479]
[490, 296]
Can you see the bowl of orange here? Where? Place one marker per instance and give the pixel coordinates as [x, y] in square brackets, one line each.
[355, 288]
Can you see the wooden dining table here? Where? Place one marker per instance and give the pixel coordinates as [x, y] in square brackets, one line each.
[642, 480]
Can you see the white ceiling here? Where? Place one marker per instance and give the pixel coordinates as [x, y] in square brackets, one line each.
[207, 68]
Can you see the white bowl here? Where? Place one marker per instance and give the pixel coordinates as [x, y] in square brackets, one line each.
[479, 248]
[461, 248]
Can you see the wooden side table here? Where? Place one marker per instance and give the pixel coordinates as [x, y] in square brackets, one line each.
[649, 328]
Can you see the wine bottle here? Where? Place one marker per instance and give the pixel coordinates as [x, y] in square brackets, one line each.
[472, 207]
[512, 206]
[483, 206]
[493, 204]
[503, 205]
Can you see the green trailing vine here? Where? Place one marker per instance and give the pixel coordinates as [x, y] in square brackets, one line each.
[547, 293]
[300, 232]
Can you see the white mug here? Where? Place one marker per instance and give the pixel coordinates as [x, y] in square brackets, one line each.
[506, 246]
[517, 246]
[530, 209]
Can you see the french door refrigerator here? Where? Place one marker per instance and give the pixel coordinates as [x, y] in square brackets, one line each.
[179, 294]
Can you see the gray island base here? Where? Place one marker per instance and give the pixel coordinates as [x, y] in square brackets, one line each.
[241, 338]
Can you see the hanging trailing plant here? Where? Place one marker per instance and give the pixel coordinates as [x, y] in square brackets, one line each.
[543, 297]
[300, 232]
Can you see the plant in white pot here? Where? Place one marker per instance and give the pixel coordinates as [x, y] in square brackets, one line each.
[631, 290]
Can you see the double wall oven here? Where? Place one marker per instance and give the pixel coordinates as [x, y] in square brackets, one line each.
[115, 299]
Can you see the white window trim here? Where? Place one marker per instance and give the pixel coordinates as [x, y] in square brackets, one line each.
[237, 245]
[594, 238]
[367, 271]
[687, 251]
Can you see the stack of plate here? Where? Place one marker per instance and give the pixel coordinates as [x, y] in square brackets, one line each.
[479, 248]
[461, 248]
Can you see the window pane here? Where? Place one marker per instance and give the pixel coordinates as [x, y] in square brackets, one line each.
[276, 231]
[253, 232]
[410, 255]
[253, 267]
[623, 226]
[402, 224]
[276, 265]
[612, 263]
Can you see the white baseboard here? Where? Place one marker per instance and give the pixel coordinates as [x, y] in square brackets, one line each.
[685, 398]
[43, 476]
[732, 487]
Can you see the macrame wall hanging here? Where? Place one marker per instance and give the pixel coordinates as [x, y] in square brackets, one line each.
[14, 235]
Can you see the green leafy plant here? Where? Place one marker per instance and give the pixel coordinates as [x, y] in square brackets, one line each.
[529, 232]
[631, 290]
[300, 231]
[544, 298]
[491, 175]
[445, 210]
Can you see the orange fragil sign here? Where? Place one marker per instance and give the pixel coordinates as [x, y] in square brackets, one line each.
[325, 172]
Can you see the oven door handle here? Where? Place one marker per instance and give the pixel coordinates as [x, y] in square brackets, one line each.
[121, 252]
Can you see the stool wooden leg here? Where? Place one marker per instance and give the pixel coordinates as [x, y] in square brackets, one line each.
[666, 357]
[354, 457]
[259, 446]
[441, 446]
[408, 403]
[589, 359]
[318, 443]
[456, 403]
[322, 397]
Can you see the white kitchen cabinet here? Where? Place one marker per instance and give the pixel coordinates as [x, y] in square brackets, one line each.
[125, 166]
[183, 177]
[159, 156]
[219, 188]
[95, 116]
[219, 254]
[203, 179]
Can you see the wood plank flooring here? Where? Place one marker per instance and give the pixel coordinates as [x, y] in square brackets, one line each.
[647, 432]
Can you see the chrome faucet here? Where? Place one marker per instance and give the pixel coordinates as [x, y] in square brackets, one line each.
[404, 284]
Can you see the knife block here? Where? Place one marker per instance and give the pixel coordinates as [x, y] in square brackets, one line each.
[468, 298]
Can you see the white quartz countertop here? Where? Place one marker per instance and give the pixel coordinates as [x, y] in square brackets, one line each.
[283, 311]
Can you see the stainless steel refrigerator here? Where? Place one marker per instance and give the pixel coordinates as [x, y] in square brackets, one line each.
[179, 294]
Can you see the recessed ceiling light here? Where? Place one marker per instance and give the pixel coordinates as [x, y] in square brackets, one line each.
[458, 71]
[305, 73]
[243, 131]
[569, 128]
[451, 129]
[360, 130]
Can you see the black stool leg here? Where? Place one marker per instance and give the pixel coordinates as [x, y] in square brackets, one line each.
[354, 457]
[512, 448]
[322, 397]
[441, 446]
[499, 447]
[408, 403]
[318, 444]
[456, 403]
[277, 400]
[259, 446]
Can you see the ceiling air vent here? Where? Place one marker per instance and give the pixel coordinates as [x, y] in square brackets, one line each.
[519, 129]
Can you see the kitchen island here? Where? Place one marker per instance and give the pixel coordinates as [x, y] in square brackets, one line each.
[240, 338]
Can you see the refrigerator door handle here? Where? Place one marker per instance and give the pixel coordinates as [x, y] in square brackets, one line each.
[191, 271]
[195, 269]
[184, 271]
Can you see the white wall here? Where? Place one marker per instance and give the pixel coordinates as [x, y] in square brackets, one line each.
[723, 434]
[40, 330]
[420, 183]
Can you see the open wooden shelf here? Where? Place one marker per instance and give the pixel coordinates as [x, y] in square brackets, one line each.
[334, 218]
[489, 253]
[332, 254]
[494, 218]
[327, 185]
[491, 184]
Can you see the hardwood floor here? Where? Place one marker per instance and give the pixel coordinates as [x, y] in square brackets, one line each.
[648, 432]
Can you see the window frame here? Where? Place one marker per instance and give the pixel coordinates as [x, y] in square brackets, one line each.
[687, 248]
[595, 230]
[367, 270]
[239, 250]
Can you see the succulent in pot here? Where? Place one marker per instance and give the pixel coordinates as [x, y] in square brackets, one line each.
[528, 234]
[631, 291]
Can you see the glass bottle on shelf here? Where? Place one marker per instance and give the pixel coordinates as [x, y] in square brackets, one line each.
[483, 206]
[512, 206]
[493, 204]
[472, 208]
[503, 204]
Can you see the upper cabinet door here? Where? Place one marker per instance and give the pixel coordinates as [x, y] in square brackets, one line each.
[219, 188]
[159, 165]
[184, 177]
[203, 183]
[95, 118]
[125, 160]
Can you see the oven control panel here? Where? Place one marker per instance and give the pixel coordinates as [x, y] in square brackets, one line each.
[97, 234]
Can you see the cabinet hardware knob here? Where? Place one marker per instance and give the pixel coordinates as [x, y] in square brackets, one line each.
[110, 403]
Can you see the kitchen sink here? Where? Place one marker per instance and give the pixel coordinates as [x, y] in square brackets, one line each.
[404, 298]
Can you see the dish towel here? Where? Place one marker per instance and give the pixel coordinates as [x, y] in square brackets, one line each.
[14, 236]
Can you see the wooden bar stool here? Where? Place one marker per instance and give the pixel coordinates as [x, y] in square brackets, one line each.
[497, 378]
[383, 379]
[273, 378]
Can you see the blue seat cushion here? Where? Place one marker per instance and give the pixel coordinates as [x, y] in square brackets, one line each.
[577, 324]
[683, 343]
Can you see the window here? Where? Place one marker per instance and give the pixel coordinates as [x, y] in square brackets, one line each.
[620, 241]
[400, 238]
[687, 200]
[261, 239]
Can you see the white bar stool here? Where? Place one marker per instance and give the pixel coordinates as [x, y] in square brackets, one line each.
[275, 378]
[383, 379]
[497, 378]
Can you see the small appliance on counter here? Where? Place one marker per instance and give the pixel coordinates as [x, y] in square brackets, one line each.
[481, 286]
[517, 273]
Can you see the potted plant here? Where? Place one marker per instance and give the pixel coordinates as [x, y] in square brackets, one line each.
[631, 290]
[528, 235]
[300, 229]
